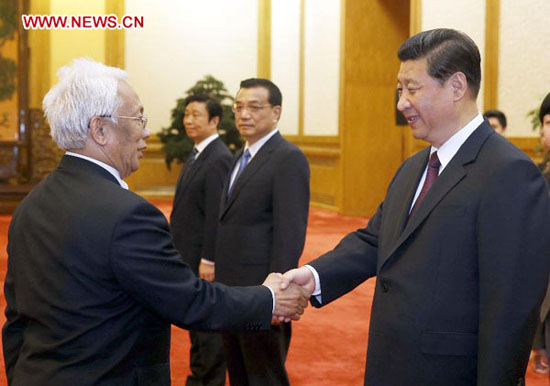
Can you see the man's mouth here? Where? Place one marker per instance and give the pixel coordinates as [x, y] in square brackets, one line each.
[413, 118]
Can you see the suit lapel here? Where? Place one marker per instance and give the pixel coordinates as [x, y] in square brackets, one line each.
[253, 166]
[451, 176]
[190, 170]
[401, 205]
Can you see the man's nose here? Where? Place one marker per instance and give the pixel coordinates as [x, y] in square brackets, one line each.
[146, 133]
[402, 103]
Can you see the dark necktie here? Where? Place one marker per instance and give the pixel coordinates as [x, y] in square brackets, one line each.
[194, 154]
[431, 176]
[242, 164]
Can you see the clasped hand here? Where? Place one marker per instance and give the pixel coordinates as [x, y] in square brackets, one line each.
[291, 295]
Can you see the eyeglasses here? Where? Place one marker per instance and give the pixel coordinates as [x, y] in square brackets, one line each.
[252, 109]
[142, 119]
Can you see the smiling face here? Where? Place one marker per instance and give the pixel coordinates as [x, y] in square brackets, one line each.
[128, 135]
[426, 103]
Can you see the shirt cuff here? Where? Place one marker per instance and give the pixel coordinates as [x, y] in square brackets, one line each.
[273, 297]
[207, 262]
[317, 290]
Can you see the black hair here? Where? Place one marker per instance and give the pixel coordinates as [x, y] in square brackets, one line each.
[447, 51]
[213, 106]
[498, 115]
[275, 97]
[544, 107]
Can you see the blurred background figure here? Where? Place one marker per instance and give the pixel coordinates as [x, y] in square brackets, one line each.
[497, 120]
[542, 337]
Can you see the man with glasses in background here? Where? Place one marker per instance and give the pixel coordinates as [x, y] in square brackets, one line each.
[263, 219]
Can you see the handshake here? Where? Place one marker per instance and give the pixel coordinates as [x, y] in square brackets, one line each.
[292, 291]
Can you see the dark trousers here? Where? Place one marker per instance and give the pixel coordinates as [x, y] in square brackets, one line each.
[207, 359]
[258, 358]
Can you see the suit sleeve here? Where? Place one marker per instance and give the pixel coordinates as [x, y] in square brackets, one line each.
[147, 265]
[12, 332]
[353, 260]
[290, 211]
[514, 255]
[350, 263]
[215, 180]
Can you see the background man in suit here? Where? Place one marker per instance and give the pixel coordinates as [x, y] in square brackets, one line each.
[460, 245]
[194, 221]
[262, 227]
[93, 278]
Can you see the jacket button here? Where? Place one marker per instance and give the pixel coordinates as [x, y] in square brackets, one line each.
[385, 287]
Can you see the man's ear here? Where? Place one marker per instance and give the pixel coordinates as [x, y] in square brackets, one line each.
[98, 131]
[277, 111]
[215, 121]
[459, 84]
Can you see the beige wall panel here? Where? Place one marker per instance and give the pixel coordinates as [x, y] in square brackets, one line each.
[524, 77]
[322, 67]
[285, 59]
[465, 15]
[67, 45]
[371, 142]
[182, 42]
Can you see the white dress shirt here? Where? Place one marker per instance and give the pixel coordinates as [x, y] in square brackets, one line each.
[109, 168]
[205, 142]
[253, 150]
[445, 154]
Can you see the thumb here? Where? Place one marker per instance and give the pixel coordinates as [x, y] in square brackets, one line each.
[287, 278]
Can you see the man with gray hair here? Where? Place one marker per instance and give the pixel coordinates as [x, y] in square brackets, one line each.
[93, 279]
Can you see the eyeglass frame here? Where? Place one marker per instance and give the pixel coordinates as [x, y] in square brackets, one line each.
[251, 109]
[143, 119]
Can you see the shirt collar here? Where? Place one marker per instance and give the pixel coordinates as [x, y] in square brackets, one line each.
[448, 150]
[205, 142]
[253, 149]
[109, 168]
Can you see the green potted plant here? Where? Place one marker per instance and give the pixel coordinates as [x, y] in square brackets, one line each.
[175, 142]
[8, 25]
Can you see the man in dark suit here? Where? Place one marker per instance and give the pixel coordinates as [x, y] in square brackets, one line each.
[93, 279]
[460, 245]
[194, 221]
[262, 226]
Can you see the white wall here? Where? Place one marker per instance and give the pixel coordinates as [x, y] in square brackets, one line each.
[467, 16]
[322, 67]
[524, 74]
[184, 40]
[285, 59]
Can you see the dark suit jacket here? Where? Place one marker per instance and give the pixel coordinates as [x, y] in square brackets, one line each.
[194, 218]
[263, 223]
[460, 284]
[94, 282]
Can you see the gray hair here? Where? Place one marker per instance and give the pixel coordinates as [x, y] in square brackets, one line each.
[85, 89]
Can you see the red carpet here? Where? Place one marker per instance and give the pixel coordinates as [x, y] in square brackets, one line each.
[328, 345]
